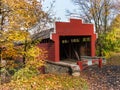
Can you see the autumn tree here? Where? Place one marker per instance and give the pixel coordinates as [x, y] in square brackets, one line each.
[111, 39]
[16, 19]
[47, 21]
[116, 22]
[99, 12]
[23, 15]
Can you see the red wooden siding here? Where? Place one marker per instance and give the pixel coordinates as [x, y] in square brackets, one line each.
[73, 28]
[49, 47]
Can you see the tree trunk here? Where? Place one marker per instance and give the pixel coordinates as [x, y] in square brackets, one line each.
[25, 50]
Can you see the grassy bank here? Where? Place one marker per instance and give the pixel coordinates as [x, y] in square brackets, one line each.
[47, 82]
[114, 59]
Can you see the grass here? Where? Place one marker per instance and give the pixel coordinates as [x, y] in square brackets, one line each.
[47, 82]
[114, 59]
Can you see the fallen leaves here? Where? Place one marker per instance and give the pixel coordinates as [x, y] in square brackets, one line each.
[48, 82]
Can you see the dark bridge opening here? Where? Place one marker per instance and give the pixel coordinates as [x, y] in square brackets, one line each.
[73, 47]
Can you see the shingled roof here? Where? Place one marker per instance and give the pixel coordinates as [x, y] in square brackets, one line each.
[43, 34]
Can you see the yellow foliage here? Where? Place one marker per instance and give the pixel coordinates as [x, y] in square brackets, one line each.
[8, 40]
[112, 38]
[25, 13]
[35, 57]
[48, 82]
[19, 16]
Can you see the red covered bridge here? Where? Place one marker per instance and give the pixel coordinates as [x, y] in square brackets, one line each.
[68, 40]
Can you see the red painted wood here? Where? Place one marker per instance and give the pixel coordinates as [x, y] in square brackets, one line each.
[94, 60]
[80, 63]
[84, 63]
[100, 63]
[50, 48]
[73, 28]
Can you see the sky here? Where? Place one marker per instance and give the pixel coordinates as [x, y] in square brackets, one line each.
[60, 8]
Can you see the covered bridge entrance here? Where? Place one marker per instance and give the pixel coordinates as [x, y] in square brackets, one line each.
[73, 47]
[68, 40]
[73, 39]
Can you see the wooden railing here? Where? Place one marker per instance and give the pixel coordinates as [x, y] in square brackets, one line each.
[84, 63]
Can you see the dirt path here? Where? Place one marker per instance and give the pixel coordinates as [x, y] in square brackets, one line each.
[106, 78]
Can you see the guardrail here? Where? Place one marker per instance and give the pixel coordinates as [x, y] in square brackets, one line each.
[84, 63]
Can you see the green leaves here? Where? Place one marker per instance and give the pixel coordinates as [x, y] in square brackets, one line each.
[25, 73]
[111, 39]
